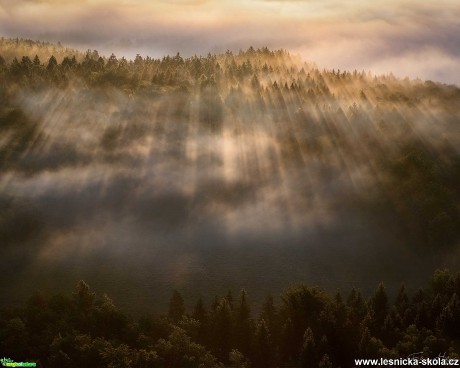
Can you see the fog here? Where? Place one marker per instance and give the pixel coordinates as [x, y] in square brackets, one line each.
[218, 184]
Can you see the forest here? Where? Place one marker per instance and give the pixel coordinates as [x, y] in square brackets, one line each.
[252, 170]
[307, 327]
[255, 117]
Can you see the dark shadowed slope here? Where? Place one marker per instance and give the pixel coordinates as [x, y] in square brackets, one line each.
[246, 170]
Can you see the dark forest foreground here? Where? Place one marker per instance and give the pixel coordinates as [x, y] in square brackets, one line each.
[307, 327]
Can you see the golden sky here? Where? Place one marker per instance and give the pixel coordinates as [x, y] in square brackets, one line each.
[408, 37]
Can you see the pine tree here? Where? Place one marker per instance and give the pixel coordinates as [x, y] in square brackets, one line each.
[379, 305]
[222, 326]
[36, 61]
[200, 314]
[176, 307]
[263, 347]
[229, 298]
[243, 325]
[402, 300]
[309, 350]
[449, 320]
[52, 64]
[84, 301]
[325, 362]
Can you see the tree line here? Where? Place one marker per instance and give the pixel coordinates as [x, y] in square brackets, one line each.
[307, 327]
[253, 68]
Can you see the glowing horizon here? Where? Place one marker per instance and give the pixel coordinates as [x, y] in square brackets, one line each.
[406, 37]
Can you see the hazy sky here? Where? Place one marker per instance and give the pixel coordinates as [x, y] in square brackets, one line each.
[409, 37]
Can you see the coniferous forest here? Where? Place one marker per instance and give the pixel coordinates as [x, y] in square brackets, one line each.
[306, 328]
[160, 180]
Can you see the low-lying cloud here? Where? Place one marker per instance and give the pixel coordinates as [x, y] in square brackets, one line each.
[354, 35]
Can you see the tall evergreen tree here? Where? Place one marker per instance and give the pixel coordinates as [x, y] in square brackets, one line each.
[52, 64]
[243, 325]
[264, 350]
[379, 305]
[176, 307]
[222, 330]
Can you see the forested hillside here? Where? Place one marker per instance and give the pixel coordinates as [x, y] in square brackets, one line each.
[249, 169]
[374, 129]
[11, 48]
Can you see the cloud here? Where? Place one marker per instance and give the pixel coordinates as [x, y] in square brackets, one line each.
[346, 34]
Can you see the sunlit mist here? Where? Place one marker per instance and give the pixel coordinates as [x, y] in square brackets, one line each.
[176, 172]
[408, 38]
